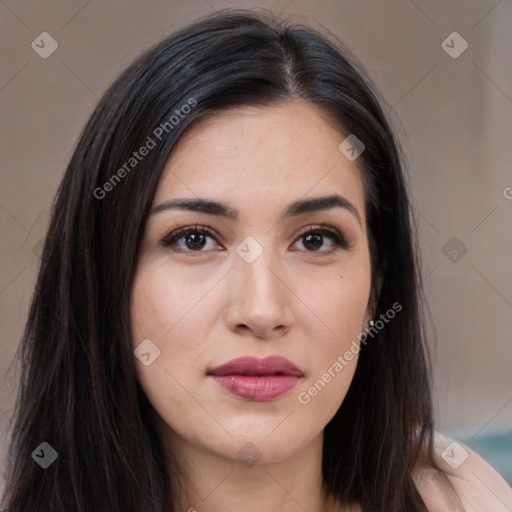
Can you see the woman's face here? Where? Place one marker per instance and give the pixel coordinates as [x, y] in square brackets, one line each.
[254, 286]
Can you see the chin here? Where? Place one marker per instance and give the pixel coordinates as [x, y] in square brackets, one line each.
[268, 444]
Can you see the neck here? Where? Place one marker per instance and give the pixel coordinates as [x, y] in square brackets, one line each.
[209, 482]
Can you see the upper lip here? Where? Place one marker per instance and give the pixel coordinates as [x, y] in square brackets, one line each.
[248, 365]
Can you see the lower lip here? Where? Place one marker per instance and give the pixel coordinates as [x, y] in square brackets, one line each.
[257, 389]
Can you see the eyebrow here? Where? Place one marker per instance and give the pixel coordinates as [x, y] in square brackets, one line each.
[298, 207]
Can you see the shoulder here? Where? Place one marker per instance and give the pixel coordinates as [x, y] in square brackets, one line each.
[477, 485]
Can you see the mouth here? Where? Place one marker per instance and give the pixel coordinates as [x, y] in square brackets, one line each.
[256, 380]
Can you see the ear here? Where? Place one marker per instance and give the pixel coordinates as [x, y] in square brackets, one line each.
[372, 305]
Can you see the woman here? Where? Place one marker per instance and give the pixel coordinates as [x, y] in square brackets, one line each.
[227, 315]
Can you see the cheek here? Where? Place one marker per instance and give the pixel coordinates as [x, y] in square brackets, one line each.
[337, 304]
[334, 322]
[163, 304]
[343, 304]
[180, 310]
[166, 312]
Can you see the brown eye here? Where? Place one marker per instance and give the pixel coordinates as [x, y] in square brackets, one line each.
[313, 239]
[194, 238]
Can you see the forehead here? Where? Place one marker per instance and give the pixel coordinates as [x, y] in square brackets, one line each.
[262, 155]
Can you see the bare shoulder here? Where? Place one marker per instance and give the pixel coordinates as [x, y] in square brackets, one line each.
[478, 486]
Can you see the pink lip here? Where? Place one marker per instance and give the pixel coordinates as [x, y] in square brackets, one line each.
[257, 380]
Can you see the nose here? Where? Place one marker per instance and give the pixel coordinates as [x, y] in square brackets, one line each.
[259, 298]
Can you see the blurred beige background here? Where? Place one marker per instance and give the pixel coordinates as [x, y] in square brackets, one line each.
[453, 114]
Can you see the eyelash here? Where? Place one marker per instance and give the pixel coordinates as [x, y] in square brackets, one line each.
[338, 239]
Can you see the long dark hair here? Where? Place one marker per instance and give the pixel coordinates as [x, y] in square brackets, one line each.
[78, 390]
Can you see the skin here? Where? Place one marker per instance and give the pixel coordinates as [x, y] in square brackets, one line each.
[205, 306]
[204, 310]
